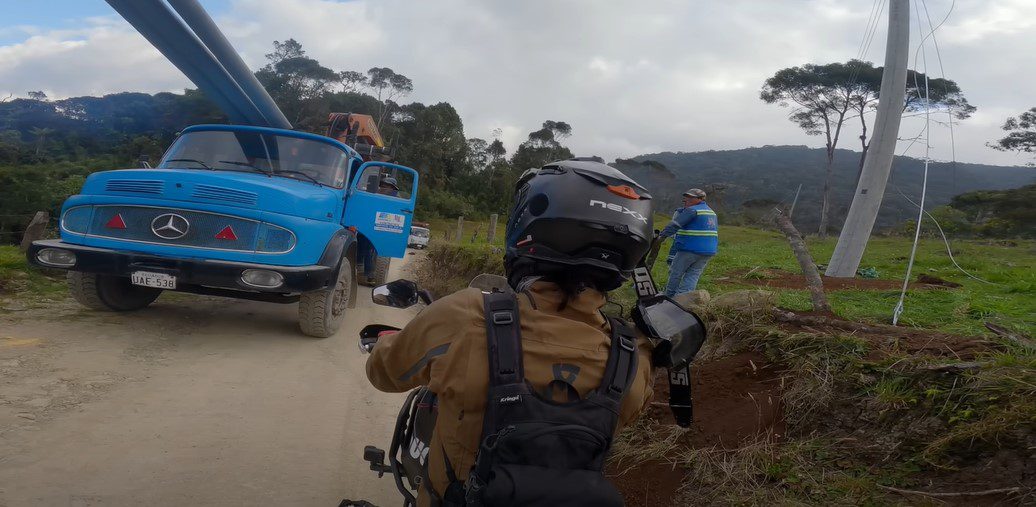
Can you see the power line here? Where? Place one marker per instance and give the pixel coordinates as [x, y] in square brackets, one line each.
[898, 310]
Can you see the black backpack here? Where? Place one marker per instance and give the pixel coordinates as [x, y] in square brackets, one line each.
[539, 452]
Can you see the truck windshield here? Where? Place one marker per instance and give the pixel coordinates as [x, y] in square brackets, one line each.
[276, 155]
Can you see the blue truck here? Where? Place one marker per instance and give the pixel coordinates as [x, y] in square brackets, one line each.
[249, 212]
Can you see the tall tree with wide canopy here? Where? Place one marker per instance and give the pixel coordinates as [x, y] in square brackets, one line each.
[542, 146]
[1021, 134]
[297, 83]
[824, 97]
[387, 86]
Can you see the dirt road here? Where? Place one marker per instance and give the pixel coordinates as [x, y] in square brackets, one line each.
[193, 401]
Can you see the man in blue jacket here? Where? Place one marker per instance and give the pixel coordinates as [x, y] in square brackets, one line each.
[697, 239]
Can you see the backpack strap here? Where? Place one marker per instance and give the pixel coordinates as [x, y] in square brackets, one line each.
[622, 361]
[503, 339]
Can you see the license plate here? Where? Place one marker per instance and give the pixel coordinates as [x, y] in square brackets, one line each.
[156, 280]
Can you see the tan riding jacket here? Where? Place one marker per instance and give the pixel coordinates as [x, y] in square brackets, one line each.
[444, 347]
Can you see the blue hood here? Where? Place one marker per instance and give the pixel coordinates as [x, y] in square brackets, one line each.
[226, 188]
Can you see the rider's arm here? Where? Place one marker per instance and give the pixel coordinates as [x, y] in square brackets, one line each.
[403, 361]
[680, 220]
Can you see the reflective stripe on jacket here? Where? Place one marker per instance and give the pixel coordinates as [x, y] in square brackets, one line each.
[701, 234]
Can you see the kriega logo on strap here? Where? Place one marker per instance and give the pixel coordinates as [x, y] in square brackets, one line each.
[621, 209]
[510, 399]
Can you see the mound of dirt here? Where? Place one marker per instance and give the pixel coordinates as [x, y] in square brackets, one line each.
[736, 398]
[887, 339]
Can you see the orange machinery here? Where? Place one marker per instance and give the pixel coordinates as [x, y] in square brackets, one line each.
[360, 132]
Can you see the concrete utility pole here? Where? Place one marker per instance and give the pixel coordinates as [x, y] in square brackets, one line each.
[875, 175]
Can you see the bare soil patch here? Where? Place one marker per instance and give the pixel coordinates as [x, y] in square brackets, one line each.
[736, 398]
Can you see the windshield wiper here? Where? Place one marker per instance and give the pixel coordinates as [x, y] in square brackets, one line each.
[243, 164]
[314, 180]
[246, 164]
[199, 162]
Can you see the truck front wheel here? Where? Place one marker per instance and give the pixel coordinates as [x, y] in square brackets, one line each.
[109, 293]
[321, 312]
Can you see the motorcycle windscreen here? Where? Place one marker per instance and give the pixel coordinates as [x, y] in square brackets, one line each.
[671, 323]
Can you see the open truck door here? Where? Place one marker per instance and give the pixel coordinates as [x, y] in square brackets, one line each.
[381, 205]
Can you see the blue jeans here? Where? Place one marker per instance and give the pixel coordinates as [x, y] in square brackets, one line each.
[684, 272]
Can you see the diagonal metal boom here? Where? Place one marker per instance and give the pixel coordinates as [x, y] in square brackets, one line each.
[163, 29]
[198, 20]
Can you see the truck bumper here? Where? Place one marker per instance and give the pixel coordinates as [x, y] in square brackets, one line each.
[190, 274]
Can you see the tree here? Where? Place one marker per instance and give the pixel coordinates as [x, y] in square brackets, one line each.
[41, 134]
[297, 82]
[821, 97]
[1021, 135]
[38, 96]
[388, 86]
[542, 146]
[351, 80]
[496, 150]
[943, 96]
[478, 154]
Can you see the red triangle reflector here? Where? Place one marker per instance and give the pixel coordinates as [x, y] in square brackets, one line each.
[116, 222]
[227, 233]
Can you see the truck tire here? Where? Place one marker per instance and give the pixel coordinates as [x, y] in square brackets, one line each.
[321, 312]
[381, 269]
[109, 293]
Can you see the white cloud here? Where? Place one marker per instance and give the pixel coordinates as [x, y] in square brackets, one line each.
[660, 75]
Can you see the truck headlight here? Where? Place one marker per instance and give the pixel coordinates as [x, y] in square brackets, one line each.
[56, 257]
[262, 278]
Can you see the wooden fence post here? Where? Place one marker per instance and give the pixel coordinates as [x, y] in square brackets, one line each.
[460, 228]
[36, 229]
[491, 233]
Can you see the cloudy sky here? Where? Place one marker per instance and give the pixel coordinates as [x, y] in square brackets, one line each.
[631, 77]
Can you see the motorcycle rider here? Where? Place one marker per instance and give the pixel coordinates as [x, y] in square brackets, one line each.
[576, 230]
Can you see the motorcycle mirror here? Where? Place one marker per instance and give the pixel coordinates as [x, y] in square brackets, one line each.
[487, 283]
[397, 294]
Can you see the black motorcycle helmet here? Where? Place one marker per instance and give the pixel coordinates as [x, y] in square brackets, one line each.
[577, 219]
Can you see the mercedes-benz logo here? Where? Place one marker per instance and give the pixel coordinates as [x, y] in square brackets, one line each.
[170, 226]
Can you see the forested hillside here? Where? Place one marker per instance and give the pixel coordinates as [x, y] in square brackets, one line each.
[48, 147]
[773, 173]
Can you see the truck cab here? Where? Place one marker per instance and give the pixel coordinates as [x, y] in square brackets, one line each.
[239, 211]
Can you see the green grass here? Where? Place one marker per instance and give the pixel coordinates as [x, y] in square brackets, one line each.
[18, 279]
[746, 254]
[440, 226]
[1008, 301]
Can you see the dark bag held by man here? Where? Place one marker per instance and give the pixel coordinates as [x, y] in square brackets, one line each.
[538, 452]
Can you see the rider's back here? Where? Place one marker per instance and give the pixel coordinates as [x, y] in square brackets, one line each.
[564, 343]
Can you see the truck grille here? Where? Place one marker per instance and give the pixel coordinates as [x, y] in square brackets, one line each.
[202, 230]
[223, 194]
[150, 187]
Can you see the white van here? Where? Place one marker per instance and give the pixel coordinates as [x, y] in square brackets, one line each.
[418, 237]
